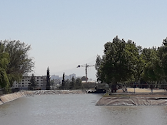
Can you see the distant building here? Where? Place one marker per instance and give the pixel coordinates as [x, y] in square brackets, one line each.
[41, 81]
[58, 79]
[25, 82]
[54, 77]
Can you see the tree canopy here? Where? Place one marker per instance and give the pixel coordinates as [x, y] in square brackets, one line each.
[33, 82]
[118, 62]
[14, 61]
[125, 61]
[4, 60]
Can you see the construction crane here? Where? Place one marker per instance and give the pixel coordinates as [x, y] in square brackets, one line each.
[86, 66]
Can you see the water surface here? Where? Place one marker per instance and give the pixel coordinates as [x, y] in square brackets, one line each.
[77, 109]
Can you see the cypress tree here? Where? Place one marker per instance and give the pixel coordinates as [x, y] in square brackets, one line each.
[48, 80]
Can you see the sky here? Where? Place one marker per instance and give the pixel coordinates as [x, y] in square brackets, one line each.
[67, 33]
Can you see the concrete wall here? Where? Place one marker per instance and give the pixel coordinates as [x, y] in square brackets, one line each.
[16, 95]
[13, 96]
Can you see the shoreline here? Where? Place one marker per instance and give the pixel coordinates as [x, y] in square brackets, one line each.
[13, 96]
[129, 99]
[43, 92]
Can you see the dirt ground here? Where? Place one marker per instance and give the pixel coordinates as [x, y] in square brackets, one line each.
[143, 92]
[138, 90]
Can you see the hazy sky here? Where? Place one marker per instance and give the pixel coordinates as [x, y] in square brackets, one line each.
[66, 33]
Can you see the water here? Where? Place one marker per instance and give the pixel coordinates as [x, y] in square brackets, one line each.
[77, 109]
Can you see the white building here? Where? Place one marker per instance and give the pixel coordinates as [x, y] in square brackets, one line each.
[25, 82]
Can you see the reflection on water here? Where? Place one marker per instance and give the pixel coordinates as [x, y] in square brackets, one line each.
[137, 115]
[77, 109]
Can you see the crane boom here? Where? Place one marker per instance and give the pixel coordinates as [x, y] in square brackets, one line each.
[86, 66]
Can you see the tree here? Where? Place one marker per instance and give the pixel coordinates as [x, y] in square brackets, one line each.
[153, 69]
[48, 80]
[52, 83]
[66, 84]
[84, 78]
[165, 41]
[100, 74]
[4, 61]
[117, 63]
[63, 81]
[20, 63]
[33, 82]
[72, 83]
[124, 62]
[78, 83]
[161, 62]
[139, 66]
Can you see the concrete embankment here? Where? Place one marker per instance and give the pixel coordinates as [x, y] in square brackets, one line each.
[10, 97]
[135, 100]
[41, 92]
[13, 96]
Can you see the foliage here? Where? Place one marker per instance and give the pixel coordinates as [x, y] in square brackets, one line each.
[152, 65]
[72, 83]
[78, 83]
[84, 78]
[14, 62]
[66, 84]
[52, 82]
[63, 81]
[4, 61]
[19, 62]
[118, 62]
[48, 80]
[33, 82]
[125, 62]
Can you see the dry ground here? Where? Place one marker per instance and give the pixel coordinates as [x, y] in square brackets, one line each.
[141, 93]
[138, 90]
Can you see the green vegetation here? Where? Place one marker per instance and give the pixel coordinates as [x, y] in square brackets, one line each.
[4, 60]
[33, 84]
[71, 84]
[125, 62]
[14, 62]
[48, 79]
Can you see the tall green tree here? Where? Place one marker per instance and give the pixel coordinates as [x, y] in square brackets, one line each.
[118, 62]
[33, 82]
[139, 65]
[67, 84]
[78, 83]
[124, 61]
[63, 81]
[98, 66]
[20, 63]
[4, 61]
[73, 83]
[153, 68]
[48, 80]
[162, 59]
